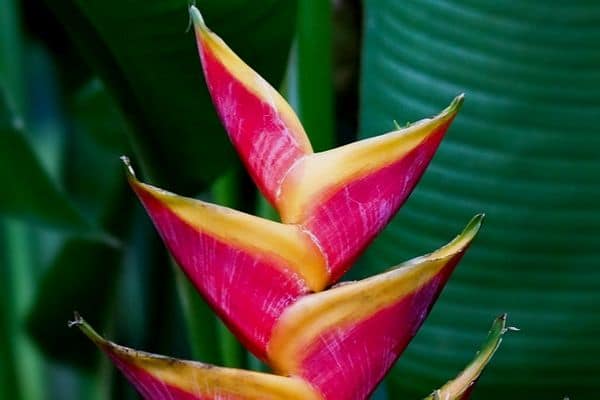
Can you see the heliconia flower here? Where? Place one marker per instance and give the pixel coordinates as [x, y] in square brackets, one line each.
[271, 282]
[342, 197]
[332, 203]
[157, 377]
[461, 387]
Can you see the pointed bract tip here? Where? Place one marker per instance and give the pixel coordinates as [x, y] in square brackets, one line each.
[80, 323]
[473, 226]
[501, 322]
[77, 320]
[197, 18]
[456, 104]
[128, 167]
[462, 241]
[496, 332]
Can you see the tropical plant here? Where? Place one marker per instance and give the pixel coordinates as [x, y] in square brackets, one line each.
[83, 82]
[272, 282]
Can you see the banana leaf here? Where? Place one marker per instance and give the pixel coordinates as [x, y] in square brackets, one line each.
[524, 150]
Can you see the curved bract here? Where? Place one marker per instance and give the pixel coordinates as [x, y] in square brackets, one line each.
[270, 281]
[157, 377]
[345, 339]
[249, 269]
[262, 126]
[460, 388]
[345, 196]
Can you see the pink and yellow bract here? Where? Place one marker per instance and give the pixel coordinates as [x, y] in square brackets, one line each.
[271, 282]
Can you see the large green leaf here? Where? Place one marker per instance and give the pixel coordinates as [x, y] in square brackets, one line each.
[142, 52]
[94, 177]
[89, 266]
[26, 190]
[86, 264]
[524, 149]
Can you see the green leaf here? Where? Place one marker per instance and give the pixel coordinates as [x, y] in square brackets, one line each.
[95, 180]
[524, 150]
[26, 190]
[11, 49]
[8, 373]
[94, 177]
[96, 113]
[21, 361]
[147, 60]
[80, 277]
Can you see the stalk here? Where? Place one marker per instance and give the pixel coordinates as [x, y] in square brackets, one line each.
[311, 72]
[225, 191]
[199, 319]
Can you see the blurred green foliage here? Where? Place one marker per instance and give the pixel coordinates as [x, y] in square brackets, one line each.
[524, 150]
[82, 82]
